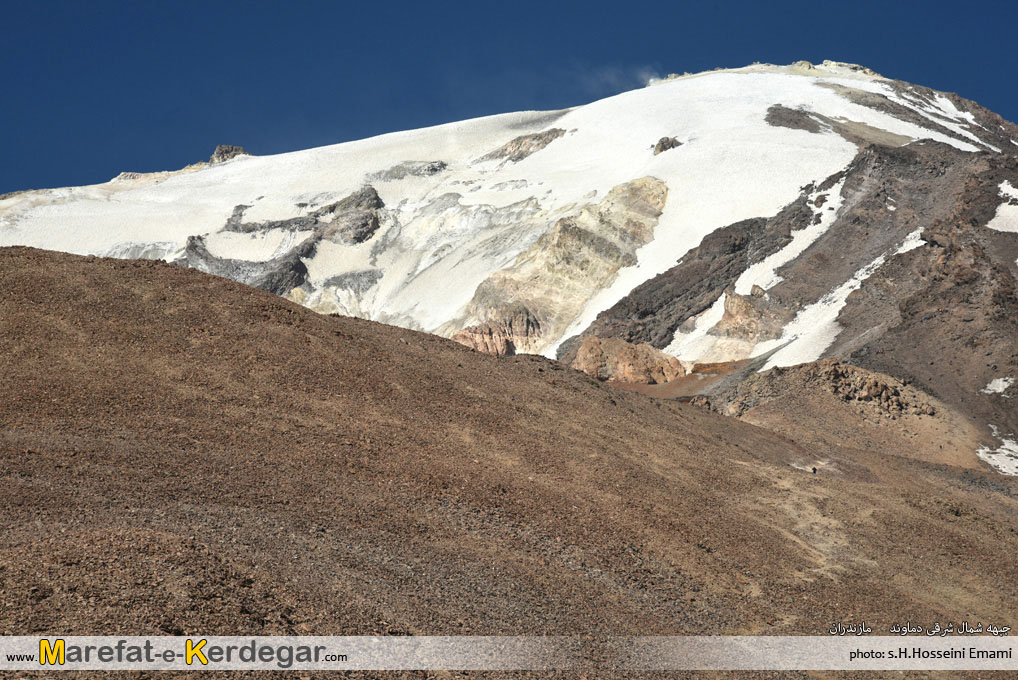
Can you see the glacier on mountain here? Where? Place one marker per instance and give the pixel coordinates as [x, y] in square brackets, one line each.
[464, 210]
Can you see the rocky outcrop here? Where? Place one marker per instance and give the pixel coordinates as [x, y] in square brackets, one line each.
[887, 195]
[616, 360]
[520, 147]
[653, 311]
[871, 391]
[517, 331]
[967, 122]
[665, 144]
[486, 339]
[408, 169]
[349, 221]
[225, 152]
[578, 256]
[935, 304]
[352, 220]
[851, 383]
[279, 275]
[856, 132]
[779, 115]
[754, 317]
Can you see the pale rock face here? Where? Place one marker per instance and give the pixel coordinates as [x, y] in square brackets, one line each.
[515, 150]
[616, 360]
[517, 330]
[581, 254]
[753, 317]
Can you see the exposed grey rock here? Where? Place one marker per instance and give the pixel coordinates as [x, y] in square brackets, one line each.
[359, 282]
[351, 220]
[235, 222]
[225, 152]
[782, 116]
[408, 169]
[520, 147]
[666, 143]
[279, 275]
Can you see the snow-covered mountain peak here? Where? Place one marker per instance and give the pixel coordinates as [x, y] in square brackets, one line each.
[826, 68]
[518, 230]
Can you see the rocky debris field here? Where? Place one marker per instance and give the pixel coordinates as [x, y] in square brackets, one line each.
[183, 454]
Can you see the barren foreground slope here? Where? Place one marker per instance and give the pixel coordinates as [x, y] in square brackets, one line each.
[180, 453]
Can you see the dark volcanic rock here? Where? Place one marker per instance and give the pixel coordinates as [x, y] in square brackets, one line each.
[353, 219]
[408, 169]
[666, 143]
[225, 152]
[279, 275]
[989, 128]
[943, 315]
[782, 116]
[654, 310]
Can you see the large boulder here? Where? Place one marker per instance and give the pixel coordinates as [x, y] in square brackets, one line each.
[620, 361]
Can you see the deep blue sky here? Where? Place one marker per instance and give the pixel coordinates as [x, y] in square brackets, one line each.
[90, 89]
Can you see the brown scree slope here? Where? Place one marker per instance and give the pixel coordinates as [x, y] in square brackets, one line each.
[182, 454]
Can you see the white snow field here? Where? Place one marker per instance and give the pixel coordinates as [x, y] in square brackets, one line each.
[1004, 458]
[443, 234]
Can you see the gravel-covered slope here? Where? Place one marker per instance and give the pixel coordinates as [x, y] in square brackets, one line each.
[182, 454]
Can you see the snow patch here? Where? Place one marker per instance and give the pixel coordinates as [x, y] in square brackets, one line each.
[697, 342]
[815, 327]
[998, 385]
[912, 241]
[254, 247]
[1006, 217]
[1003, 459]
[168, 251]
